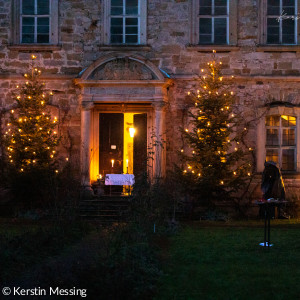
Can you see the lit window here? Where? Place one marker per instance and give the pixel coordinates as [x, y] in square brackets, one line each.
[281, 21]
[281, 141]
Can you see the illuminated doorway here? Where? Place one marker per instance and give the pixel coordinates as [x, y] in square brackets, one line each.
[122, 144]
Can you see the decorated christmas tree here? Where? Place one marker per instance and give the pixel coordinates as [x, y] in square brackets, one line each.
[31, 133]
[215, 163]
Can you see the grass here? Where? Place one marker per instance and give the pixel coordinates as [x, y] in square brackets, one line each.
[210, 262]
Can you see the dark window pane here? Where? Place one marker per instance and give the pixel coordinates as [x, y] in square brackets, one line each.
[116, 2]
[116, 22]
[116, 39]
[220, 31]
[43, 21]
[272, 155]
[43, 38]
[27, 38]
[288, 31]
[28, 7]
[131, 21]
[131, 39]
[116, 11]
[43, 7]
[205, 7]
[272, 121]
[28, 29]
[288, 137]
[132, 7]
[272, 137]
[220, 7]
[288, 159]
[27, 21]
[205, 26]
[116, 30]
[205, 31]
[131, 30]
[288, 7]
[273, 31]
[43, 25]
[43, 29]
[273, 8]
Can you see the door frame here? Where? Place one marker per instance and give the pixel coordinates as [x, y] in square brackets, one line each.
[116, 108]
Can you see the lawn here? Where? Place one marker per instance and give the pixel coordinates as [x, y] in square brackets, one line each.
[216, 261]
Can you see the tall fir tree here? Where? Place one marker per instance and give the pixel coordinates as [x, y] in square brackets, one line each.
[31, 134]
[216, 165]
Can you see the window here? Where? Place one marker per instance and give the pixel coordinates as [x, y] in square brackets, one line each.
[281, 21]
[35, 21]
[214, 22]
[281, 141]
[125, 22]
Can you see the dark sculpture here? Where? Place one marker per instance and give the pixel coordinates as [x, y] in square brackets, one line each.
[272, 186]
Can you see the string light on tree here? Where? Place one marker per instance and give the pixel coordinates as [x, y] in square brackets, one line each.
[215, 168]
[32, 129]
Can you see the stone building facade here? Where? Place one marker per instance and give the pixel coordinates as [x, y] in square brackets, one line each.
[142, 57]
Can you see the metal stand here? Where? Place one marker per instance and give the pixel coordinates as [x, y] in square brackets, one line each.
[267, 231]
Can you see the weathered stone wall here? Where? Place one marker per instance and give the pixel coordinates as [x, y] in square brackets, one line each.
[261, 75]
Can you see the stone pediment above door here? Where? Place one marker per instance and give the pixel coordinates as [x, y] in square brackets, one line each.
[122, 67]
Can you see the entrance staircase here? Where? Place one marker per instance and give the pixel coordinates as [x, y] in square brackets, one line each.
[106, 209]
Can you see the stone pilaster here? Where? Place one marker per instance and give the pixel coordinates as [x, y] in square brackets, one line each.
[86, 117]
[159, 165]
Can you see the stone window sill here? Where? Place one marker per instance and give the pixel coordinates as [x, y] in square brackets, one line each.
[210, 48]
[278, 48]
[34, 47]
[124, 48]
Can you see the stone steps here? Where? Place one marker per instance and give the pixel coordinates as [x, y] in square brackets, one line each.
[106, 209]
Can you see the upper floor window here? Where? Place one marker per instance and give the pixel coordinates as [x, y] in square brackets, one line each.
[125, 22]
[35, 21]
[281, 21]
[281, 141]
[214, 22]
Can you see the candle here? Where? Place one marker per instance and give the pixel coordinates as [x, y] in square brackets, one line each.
[127, 163]
[112, 163]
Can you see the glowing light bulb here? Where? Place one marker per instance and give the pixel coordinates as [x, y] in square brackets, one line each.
[33, 56]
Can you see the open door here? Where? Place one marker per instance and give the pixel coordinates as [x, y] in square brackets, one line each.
[140, 144]
[111, 143]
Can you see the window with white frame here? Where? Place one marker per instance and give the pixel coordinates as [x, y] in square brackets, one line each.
[281, 141]
[125, 22]
[214, 22]
[282, 22]
[35, 22]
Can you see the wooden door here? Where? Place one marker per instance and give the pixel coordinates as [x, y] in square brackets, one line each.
[140, 144]
[111, 130]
